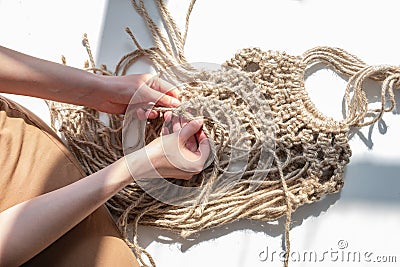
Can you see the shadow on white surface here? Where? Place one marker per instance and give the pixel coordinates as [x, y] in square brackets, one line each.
[364, 182]
[273, 229]
[372, 90]
[370, 183]
[371, 187]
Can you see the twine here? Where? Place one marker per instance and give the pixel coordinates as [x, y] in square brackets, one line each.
[309, 152]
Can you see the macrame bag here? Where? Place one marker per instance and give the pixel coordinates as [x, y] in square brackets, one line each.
[305, 152]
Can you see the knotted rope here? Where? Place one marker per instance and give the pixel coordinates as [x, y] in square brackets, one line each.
[294, 155]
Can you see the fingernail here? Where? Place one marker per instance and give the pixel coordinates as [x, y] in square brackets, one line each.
[200, 120]
[175, 102]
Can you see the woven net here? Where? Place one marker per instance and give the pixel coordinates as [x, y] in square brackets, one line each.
[291, 154]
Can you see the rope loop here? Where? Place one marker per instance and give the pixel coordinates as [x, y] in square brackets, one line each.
[356, 102]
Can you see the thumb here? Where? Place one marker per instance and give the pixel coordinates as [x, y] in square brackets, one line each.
[190, 129]
[161, 99]
[167, 101]
[204, 148]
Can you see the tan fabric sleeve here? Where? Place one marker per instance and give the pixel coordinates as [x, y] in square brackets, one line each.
[33, 161]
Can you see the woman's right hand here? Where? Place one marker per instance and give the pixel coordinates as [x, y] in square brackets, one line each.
[174, 154]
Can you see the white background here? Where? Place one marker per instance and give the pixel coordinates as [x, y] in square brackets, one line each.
[366, 214]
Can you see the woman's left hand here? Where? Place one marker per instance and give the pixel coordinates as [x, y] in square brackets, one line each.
[141, 90]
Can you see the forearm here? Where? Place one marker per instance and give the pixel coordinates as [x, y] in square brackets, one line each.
[25, 75]
[29, 227]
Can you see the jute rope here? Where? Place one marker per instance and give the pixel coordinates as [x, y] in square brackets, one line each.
[307, 151]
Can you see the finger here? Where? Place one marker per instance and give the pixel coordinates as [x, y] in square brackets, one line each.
[167, 123]
[183, 121]
[167, 116]
[201, 135]
[161, 99]
[141, 114]
[191, 144]
[151, 114]
[165, 130]
[165, 87]
[176, 124]
[190, 129]
[204, 149]
[168, 101]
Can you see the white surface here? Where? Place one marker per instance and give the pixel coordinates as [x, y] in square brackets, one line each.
[366, 214]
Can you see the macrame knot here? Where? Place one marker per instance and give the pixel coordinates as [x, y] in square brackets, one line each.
[258, 116]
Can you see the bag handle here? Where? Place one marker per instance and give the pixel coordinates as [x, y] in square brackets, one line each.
[357, 108]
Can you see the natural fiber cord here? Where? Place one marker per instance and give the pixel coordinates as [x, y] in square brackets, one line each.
[307, 151]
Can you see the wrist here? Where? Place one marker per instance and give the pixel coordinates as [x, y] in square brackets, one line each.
[139, 165]
[117, 89]
[91, 91]
[122, 172]
[81, 88]
[92, 85]
[110, 85]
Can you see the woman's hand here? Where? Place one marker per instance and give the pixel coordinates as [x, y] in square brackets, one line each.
[173, 155]
[26, 75]
[143, 90]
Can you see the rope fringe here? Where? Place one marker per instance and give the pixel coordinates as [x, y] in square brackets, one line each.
[307, 155]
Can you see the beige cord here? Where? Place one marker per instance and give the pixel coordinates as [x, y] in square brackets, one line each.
[309, 152]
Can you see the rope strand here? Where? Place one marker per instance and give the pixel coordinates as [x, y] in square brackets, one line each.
[309, 150]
